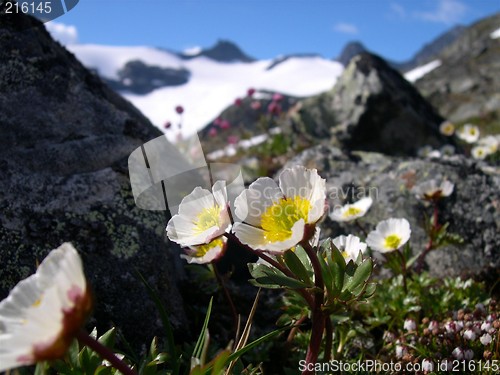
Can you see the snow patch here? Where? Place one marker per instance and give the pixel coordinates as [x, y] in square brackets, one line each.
[421, 71]
[495, 34]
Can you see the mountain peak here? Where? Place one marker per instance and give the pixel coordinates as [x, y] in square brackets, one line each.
[226, 51]
[350, 50]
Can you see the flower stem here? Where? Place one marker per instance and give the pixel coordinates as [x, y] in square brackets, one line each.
[228, 298]
[329, 339]
[403, 269]
[419, 264]
[318, 317]
[104, 352]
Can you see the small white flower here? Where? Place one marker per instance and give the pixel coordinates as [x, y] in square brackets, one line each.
[432, 190]
[410, 325]
[447, 128]
[486, 326]
[352, 211]
[349, 246]
[42, 314]
[469, 133]
[434, 154]
[485, 339]
[206, 253]
[433, 325]
[276, 219]
[469, 334]
[389, 235]
[203, 216]
[401, 351]
[458, 353]
[427, 365]
[490, 142]
[468, 354]
[480, 152]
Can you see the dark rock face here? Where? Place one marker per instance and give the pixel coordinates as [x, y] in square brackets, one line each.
[141, 79]
[473, 209]
[65, 139]
[467, 85]
[224, 51]
[373, 108]
[431, 51]
[350, 50]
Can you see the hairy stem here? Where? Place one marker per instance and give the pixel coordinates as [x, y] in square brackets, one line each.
[220, 280]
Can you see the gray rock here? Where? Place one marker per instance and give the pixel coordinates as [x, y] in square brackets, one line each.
[466, 86]
[372, 108]
[473, 210]
[64, 142]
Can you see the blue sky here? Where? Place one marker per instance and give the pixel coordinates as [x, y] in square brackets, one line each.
[395, 29]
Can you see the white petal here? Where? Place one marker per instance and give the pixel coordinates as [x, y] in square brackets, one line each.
[296, 236]
[252, 203]
[220, 193]
[340, 242]
[249, 235]
[212, 254]
[195, 202]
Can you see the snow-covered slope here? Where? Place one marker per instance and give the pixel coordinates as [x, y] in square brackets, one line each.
[212, 86]
[420, 71]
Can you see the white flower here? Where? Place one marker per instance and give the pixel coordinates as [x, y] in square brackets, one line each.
[349, 246]
[43, 313]
[277, 218]
[480, 152]
[352, 211]
[203, 216]
[469, 133]
[447, 128]
[431, 190]
[458, 353]
[206, 253]
[389, 235]
[401, 351]
[490, 142]
[469, 335]
[427, 365]
[486, 326]
[409, 325]
[485, 339]
[433, 325]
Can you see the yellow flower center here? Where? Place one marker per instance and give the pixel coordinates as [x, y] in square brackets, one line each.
[37, 302]
[351, 211]
[203, 249]
[207, 218]
[344, 254]
[279, 218]
[472, 131]
[392, 241]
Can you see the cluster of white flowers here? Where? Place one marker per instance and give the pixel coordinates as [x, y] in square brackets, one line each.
[41, 315]
[433, 189]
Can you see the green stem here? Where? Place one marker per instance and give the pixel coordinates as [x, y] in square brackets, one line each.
[228, 297]
[104, 352]
[403, 269]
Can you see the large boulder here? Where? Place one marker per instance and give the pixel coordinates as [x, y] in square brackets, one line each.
[473, 210]
[373, 108]
[64, 142]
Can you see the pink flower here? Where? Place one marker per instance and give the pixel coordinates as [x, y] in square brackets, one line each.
[278, 97]
[225, 124]
[250, 92]
[238, 102]
[232, 139]
[212, 132]
[179, 109]
[217, 121]
[167, 125]
[274, 108]
[255, 105]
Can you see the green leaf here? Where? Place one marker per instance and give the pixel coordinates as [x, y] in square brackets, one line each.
[202, 338]
[270, 277]
[295, 265]
[361, 275]
[103, 370]
[73, 354]
[108, 339]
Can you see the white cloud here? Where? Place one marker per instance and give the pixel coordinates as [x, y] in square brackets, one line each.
[346, 28]
[398, 10]
[447, 11]
[64, 34]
